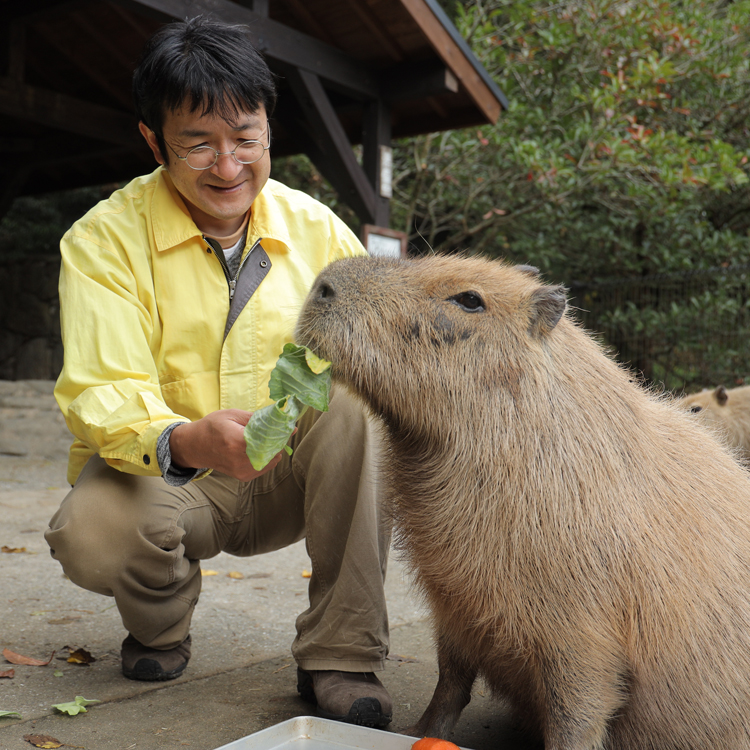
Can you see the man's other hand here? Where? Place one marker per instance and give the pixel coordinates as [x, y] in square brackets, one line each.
[217, 441]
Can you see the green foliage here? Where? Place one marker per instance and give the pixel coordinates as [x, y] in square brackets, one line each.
[34, 225]
[624, 152]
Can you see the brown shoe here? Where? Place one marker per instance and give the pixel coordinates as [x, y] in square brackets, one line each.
[142, 663]
[354, 697]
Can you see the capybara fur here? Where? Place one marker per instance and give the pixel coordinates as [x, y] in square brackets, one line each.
[583, 544]
[726, 410]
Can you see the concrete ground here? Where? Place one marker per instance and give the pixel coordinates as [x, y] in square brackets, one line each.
[241, 678]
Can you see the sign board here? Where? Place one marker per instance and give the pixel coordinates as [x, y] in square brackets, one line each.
[383, 242]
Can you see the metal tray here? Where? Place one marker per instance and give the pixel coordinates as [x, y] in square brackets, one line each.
[312, 733]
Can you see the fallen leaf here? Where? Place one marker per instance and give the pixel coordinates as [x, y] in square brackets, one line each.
[3, 714]
[12, 549]
[75, 707]
[80, 656]
[259, 575]
[42, 740]
[64, 620]
[235, 574]
[8, 673]
[14, 658]
[398, 657]
[57, 673]
[307, 574]
[209, 572]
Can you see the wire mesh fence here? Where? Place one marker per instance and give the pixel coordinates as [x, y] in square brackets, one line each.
[683, 331]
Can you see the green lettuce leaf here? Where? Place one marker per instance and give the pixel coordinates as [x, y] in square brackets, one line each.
[270, 428]
[300, 379]
[301, 373]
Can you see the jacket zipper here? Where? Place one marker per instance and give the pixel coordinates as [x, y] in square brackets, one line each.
[232, 281]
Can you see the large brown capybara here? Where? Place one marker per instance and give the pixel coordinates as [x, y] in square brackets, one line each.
[583, 544]
[727, 410]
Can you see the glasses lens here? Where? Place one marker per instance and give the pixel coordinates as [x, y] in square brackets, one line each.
[202, 157]
[249, 152]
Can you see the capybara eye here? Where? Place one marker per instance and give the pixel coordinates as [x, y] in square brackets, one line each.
[469, 301]
[696, 409]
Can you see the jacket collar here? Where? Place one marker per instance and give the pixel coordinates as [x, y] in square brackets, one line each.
[173, 225]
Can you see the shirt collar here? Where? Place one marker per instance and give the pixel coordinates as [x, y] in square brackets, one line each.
[173, 224]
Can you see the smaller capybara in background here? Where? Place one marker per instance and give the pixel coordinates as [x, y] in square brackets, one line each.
[583, 544]
[726, 410]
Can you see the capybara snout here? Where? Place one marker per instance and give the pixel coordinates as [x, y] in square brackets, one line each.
[583, 544]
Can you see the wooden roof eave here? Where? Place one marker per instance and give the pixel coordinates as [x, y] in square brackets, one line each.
[458, 57]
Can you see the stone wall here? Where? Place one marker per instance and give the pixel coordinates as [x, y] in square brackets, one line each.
[30, 343]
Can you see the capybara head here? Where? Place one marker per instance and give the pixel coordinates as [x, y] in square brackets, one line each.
[726, 411]
[412, 337]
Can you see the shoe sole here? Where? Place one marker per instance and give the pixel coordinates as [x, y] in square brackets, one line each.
[149, 670]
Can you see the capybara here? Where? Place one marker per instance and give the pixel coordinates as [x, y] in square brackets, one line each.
[728, 411]
[583, 544]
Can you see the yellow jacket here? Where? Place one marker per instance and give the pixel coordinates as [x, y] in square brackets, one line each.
[144, 303]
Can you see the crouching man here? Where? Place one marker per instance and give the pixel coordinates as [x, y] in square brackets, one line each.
[178, 294]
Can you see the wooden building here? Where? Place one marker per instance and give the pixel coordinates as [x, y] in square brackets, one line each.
[349, 72]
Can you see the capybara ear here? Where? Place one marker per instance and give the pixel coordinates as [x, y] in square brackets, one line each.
[528, 270]
[721, 395]
[547, 307]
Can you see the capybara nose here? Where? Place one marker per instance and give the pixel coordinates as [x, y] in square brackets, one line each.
[324, 291]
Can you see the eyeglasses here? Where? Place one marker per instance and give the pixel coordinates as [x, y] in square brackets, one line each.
[204, 157]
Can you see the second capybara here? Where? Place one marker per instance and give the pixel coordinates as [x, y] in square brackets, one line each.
[728, 411]
[583, 544]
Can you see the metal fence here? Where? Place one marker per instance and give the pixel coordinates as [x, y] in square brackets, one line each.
[685, 331]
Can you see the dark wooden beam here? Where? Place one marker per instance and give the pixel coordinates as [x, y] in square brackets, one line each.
[377, 157]
[417, 81]
[331, 151]
[30, 10]
[67, 113]
[277, 42]
[376, 27]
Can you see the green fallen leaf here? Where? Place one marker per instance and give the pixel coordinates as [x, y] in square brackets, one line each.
[296, 375]
[75, 707]
[57, 673]
[3, 714]
[300, 379]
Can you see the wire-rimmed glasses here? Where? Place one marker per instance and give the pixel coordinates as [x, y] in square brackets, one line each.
[204, 157]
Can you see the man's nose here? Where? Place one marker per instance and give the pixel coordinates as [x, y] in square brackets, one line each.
[226, 167]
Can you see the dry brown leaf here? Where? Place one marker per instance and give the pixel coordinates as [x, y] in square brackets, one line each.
[80, 656]
[64, 620]
[12, 549]
[307, 574]
[398, 657]
[9, 673]
[209, 572]
[235, 574]
[43, 740]
[14, 658]
[259, 575]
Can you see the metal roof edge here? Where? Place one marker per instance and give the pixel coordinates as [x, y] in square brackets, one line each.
[447, 24]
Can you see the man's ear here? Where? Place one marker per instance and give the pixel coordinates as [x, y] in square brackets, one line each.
[153, 144]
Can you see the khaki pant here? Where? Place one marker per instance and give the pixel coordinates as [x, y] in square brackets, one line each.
[141, 541]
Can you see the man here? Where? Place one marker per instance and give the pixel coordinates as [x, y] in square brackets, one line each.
[177, 296]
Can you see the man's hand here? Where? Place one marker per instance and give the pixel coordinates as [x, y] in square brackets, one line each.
[217, 441]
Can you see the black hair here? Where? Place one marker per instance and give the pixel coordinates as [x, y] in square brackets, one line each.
[205, 65]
